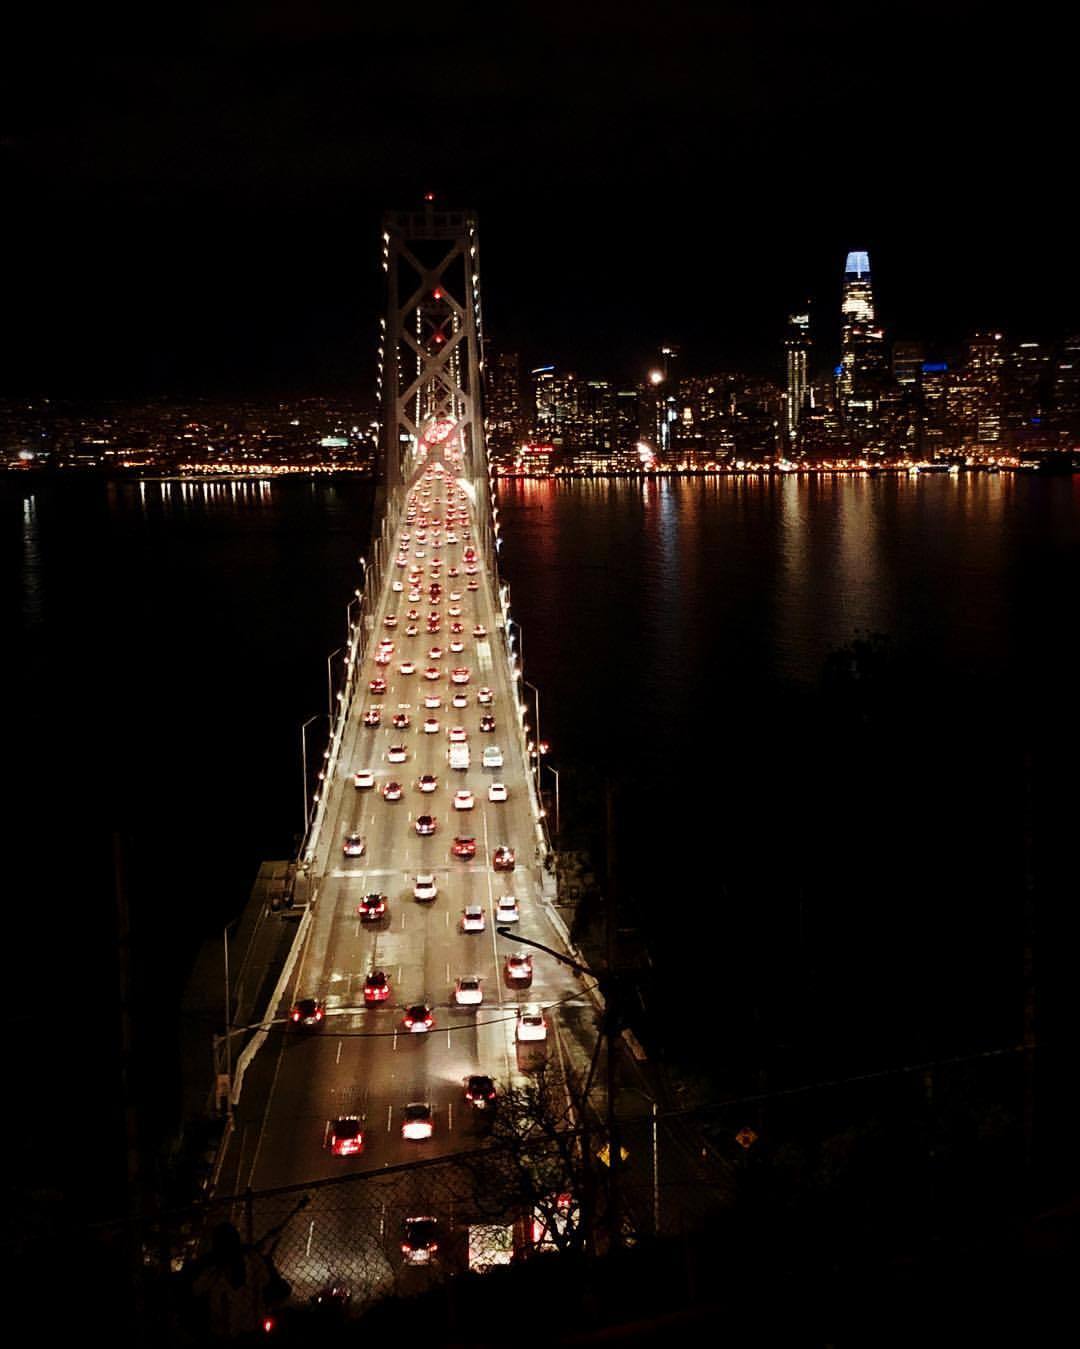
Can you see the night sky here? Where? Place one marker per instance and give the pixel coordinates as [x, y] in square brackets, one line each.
[193, 193]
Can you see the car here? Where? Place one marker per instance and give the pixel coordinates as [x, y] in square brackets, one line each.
[435, 653]
[425, 825]
[502, 859]
[345, 1136]
[427, 782]
[458, 735]
[419, 1237]
[460, 674]
[460, 699]
[397, 754]
[453, 571]
[456, 629]
[479, 630]
[487, 722]
[372, 906]
[407, 667]
[469, 555]
[401, 721]
[497, 791]
[377, 685]
[454, 611]
[418, 1120]
[463, 847]
[384, 655]
[308, 1013]
[474, 584]
[464, 799]
[354, 845]
[431, 725]
[457, 646]
[376, 986]
[392, 791]
[455, 597]
[506, 909]
[414, 595]
[431, 672]
[480, 1091]
[413, 615]
[493, 757]
[468, 991]
[424, 886]
[401, 560]
[373, 716]
[390, 621]
[531, 1024]
[518, 969]
[472, 918]
[484, 695]
[363, 778]
[418, 1018]
[411, 630]
[397, 587]
[432, 700]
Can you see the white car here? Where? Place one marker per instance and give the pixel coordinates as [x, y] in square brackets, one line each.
[364, 778]
[493, 757]
[531, 1024]
[506, 909]
[497, 791]
[458, 735]
[424, 886]
[454, 611]
[353, 845]
[418, 1122]
[407, 667]
[472, 918]
[431, 725]
[414, 595]
[484, 695]
[467, 991]
[460, 699]
[397, 586]
[457, 647]
[455, 597]
[398, 754]
[460, 675]
[463, 799]
[432, 700]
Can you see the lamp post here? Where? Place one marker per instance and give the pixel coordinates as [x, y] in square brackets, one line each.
[655, 1132]
[304, 771]
[520, 639]
[536, 705]
[555, 774]
[330, 682]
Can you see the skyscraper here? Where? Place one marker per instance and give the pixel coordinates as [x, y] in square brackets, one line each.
[797, 345]
[863, 360]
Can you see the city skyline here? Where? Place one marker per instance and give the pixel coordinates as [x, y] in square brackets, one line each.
[195, 215]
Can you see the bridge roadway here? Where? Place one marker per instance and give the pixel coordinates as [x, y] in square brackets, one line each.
[362, 1062]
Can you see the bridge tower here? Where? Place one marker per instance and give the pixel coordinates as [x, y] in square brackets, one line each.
[431, 352]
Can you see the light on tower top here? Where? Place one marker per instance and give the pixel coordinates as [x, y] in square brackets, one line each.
[858, 264]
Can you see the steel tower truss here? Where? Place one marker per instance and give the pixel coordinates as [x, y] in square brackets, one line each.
[431, 355]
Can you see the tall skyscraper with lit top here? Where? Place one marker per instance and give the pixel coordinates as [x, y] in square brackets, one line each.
[863, 360]
[797, 347]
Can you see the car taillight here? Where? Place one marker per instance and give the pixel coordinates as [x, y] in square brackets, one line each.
[296, 1016]
[427, 1021]
[318, 1014]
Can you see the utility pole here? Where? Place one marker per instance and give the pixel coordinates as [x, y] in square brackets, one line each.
[127, 1050]
[611, 1030]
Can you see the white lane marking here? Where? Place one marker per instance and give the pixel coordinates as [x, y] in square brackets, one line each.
[389, 1117]
[449, 1045]
[339, 1044]
[310, 1234]
[446, 916]
[395, 1037]
[449, 1116]
[448, 971]
[403, 922]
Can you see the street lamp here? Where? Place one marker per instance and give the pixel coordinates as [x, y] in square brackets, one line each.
[304, 767]
[654, 1111]
[330, 682]
[555, 773]
[520, 639]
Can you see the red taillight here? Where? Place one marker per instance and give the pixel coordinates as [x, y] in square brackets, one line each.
[268, 1324]
[427, 1021]
[318, 1014]
[296, 1016]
